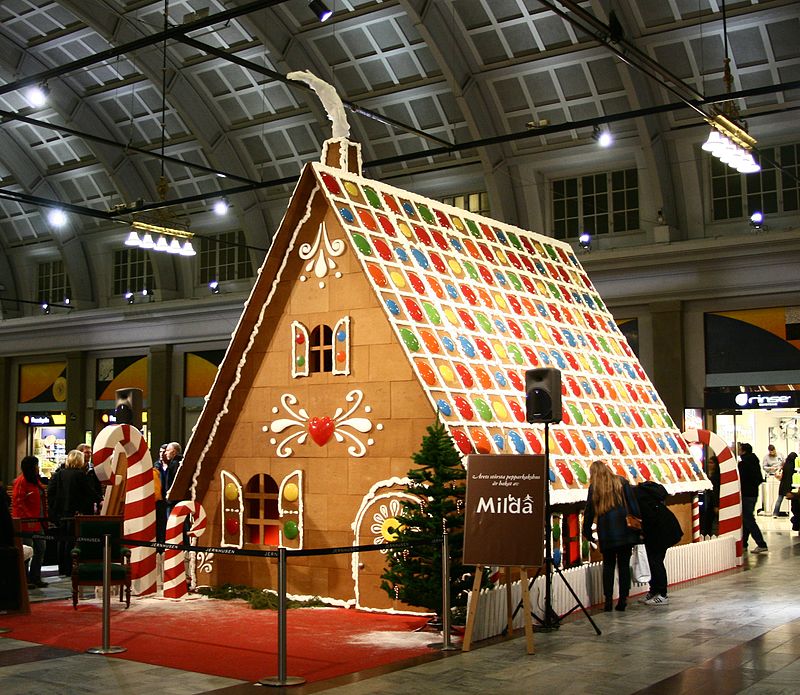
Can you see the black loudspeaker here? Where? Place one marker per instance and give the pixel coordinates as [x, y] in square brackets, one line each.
[543, 395]
[128, 408]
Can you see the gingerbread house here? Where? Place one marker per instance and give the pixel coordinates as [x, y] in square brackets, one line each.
[376, 311]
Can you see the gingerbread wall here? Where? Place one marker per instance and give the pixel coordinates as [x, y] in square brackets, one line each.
[334, 483]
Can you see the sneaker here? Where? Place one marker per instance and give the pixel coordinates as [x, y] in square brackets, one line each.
[649, 595]
[760, 549]
[657, 600]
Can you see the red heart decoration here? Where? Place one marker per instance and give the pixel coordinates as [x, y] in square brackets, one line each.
[321, 429]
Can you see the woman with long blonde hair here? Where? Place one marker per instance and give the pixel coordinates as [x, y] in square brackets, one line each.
[609, 502]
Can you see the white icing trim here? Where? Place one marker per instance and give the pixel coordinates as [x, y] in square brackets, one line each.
[225, 478]
[243, 359]
[344, 154]
[342, 324]
[282, 512]
[320, 255]
[299, 328]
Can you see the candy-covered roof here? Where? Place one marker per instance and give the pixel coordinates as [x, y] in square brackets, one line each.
[475, 303]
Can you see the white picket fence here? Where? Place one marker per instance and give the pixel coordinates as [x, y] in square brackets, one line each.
[683, 562]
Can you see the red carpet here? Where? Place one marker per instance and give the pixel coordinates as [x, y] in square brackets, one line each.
[228, 638]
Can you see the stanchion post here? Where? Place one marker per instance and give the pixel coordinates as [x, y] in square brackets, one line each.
[282, 678]
[445, 645]
[106, 648]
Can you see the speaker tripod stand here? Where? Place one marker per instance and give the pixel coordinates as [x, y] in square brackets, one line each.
[551, 620]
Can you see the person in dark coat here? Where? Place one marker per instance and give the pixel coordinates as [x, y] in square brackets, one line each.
[750, 479]
[610, 500]
[69, 493]
[786, 473]
[661, 531]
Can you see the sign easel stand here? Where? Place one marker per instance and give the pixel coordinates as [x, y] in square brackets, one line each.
[526, 602]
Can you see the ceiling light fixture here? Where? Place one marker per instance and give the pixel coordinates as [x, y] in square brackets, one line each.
[214, 287]
[602, 136]
[45, 308]
[57, 217]
[757, 221]
[585, 241]
[729, 140]
[129, 297]
[37, 96]
[320, 9]
[221, 207]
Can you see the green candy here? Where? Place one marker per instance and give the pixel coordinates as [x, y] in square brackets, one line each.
[425, 213]
[514, 239]
[373, 198]
[530, 330]
[483, 409]
[473, 274]
[515, 353]
[515, 281]
[409, 339]
[473, 229]
[484, 322]
[580, 472]
[432, 313]
[362, 244]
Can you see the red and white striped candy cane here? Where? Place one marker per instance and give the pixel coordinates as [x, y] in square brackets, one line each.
[140, 502]
[174, 571]
[695, 518]
[730, 495]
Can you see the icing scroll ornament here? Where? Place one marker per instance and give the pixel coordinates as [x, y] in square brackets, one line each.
[320, 255]
[386, 525]
[342, 426]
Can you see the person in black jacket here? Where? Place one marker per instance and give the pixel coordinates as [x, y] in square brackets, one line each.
[750, 479]
[69, 493]
[610, 501]
[661, 531]
[785, 474]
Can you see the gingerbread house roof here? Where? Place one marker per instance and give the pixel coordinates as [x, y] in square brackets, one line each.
[474, 304]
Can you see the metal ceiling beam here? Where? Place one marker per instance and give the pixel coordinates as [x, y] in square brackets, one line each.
[144, 42]
[9, 116]
[627, 52]
[260, 69]
[117, 215]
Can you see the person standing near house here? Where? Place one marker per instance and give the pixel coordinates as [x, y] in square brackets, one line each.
[97, 486]
[750, 479]
[27, 502]
[661, 530]
[610, 500]
[773, 461]
[169, 460]
[69, 493]
[785, 475]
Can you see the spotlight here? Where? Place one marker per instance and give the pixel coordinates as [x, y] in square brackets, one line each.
[585, 241]
[145, 292]
[133, 239]
[188, 249]
[162, 245]
[57, 217]
[45, 308]
[214, 287]
[66, 300]
[757, 220]
[320, 9]
[603, 136]
[37, 96]
[129, 297]
[147, 241]
[221, 207]
[174, 246]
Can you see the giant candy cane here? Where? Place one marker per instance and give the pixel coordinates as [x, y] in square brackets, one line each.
[730, 497]
[174, 572]
[140, 504]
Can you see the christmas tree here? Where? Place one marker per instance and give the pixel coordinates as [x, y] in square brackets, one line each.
[414, 575]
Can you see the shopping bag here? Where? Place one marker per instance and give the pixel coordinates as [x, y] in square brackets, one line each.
[640, 567]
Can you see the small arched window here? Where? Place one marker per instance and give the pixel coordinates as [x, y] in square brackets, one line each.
[320, 357]
[261, 520]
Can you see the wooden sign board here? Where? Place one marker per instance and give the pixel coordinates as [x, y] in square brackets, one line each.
[504, 514]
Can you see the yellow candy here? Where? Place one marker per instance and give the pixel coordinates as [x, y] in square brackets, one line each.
[590, 416]
[451, 317]
[501, 302]
[404, 229]
[455, 266]
[499, 349]
[500, 410]
[447, 373]
[351, 188]
[397, 279]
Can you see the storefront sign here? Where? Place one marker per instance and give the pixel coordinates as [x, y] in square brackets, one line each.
[45, 419]
[752, 400]
[504, 514]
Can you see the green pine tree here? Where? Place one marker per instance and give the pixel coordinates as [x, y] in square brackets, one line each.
[413, 575]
